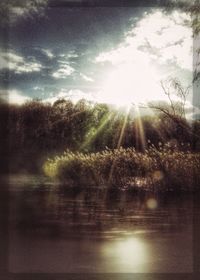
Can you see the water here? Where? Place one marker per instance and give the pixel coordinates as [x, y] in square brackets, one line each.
[94, 231]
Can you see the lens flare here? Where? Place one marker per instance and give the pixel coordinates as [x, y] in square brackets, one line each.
[152, 203]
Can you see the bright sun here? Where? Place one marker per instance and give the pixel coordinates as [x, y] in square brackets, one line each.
[131, 83]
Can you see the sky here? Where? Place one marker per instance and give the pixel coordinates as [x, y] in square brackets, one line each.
[117, 55]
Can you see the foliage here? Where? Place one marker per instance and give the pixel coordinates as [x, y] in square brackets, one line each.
[165, 168]
[38, 130]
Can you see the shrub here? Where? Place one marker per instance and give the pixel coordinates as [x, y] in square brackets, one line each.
[163, 168]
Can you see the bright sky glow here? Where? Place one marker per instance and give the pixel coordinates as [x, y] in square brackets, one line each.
[17, 97]
[109, 63]
[126, 85]
[157, 47]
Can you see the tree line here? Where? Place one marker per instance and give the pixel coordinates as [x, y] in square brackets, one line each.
[36, 130]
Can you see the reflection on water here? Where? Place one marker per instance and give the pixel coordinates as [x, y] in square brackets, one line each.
[52, 230]
[126, 253]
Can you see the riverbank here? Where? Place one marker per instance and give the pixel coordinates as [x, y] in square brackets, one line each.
[161, 169]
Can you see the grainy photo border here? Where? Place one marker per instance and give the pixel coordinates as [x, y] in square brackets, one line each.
[4, 191]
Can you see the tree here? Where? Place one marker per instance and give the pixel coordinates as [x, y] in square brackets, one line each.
[173, 112]
[176, 94]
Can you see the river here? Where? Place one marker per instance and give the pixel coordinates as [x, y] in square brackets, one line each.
[52, 230]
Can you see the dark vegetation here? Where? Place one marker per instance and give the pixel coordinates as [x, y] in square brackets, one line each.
[103, 146]
[96, 144]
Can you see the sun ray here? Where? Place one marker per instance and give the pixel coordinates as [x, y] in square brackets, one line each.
[119, 141]
[92, 133]
[123, 127]
[140, 129]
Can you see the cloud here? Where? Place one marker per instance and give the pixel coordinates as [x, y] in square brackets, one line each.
[73, 94]
[13, 10]
[38, 88]
[48, 53]
[86, 78]
[14, 96]
[155, 48]
[18, 64]
[69, 55]
[64, 71]
[161, 38]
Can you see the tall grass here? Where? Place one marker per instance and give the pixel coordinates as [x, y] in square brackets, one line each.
[164, 168]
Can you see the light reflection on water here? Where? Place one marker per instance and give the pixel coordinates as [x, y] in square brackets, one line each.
[126, 254]
[95, 231]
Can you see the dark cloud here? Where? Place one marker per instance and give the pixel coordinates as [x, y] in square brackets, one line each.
[14, 10]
